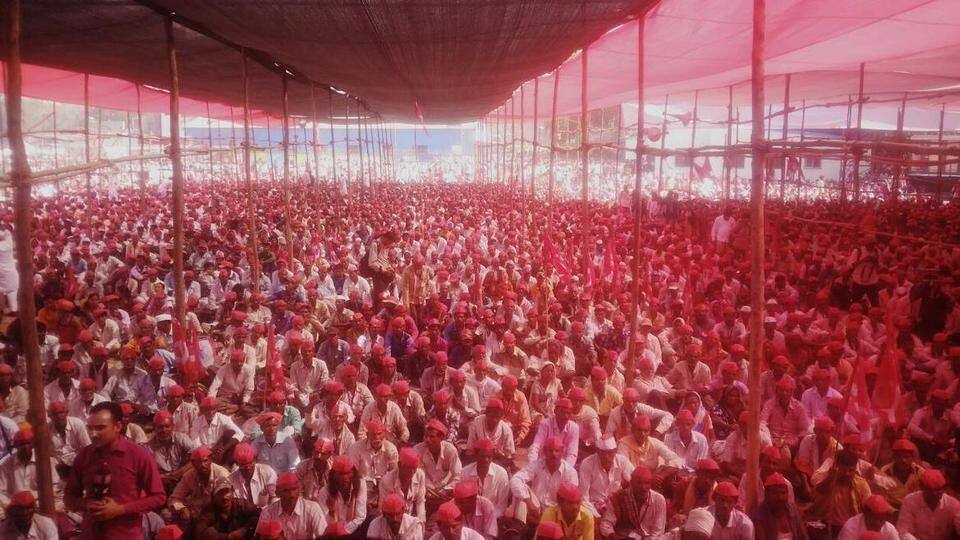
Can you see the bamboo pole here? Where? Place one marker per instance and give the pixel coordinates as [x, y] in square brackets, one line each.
[616, 161]
[898, 171]
[843, 164]
[534, 151]
[233, 147]
[943, 112]
[637, 207]
[313, 134]
[179, 305]
[56, 144]
[346, 139]
[523, 140]
[23, 219]
[757, 195]
[857, 155]
[209, 142]
[273, 164]
[362, 171]
[784, 133]
[803, 126]
[663, 144]
[585, 160]
[285, 124]
[553, 146]
[248, 177]
[727, 162]
[513, 139]
[693, 140]
[86, 125]
[333, 141]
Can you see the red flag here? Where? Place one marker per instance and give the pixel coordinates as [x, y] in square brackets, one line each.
[886, 393]
[856, 398]
[684, 118]
[419, 112]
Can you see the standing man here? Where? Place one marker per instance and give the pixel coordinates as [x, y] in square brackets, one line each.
[113, 481]
[723, 227]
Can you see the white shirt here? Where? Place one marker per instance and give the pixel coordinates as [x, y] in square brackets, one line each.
[816, 404]
[537, 481]
[442, 472]
[738, 526]
[262, 488]
[570, 434]
[351, 513]
[722, 229]
[305, 523]
[691, 453]
[42, 528]
[409, 529]
[416, 494]
[209, 433]
[233, 383]
[501, 435]
[371, 463]
[466, 533]
[74, 438]
[598, 484]
[654, 519]
[393, 419]
[918, 520]
[494, 486]
[855, 526]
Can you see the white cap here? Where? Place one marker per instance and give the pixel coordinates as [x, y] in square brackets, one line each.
[769, 320]
[607, 443]
[163, 317]
[699, 520]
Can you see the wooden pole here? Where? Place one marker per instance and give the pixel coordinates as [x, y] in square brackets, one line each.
[56, 143]
[898, 172]
[663, 144]
[513, 139]
[843, 163]
[616, 161]
[943, 112]
[523, 141]
[179, 305]
[553, 145]
[287, 216]
[858, 154]
[23, 219]
[273, 164]
[248, 177]
[362, 171]
[637, 206]
[536, 139]
[784, 133]
[333, 141]
[757, 193]
[140, 139]
[585, 161]
[693, 140]
[233, 145]
[209, 142]
[803, 126]
[346, 135]
[86, 126]
[728, 160]
[313, 134]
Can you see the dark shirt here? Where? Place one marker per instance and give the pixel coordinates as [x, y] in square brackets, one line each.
[135, 482]
[765, 523]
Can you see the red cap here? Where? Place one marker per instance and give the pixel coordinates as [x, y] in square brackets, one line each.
[448, 513]
[484, 445]
[156, 363]
[335, 529]
[409, 458]
[642, 421]
[441, 396]
[823, 423]
[201, 453]
[904, 445]
[775, 479]
[5, 368]
[169, 532]
[437, 425]
[509, 382]
[550, 530]
[269, 529]
[708, 465]
[553, 443]
[375, 426]
[877, 504]
[287, 480]
[465, 489]
[22, 499]
[383, 390]
[244, 454]
[322, 445]
[563, 403]
[209, 402]
[726, 489]
[577, 394]
[686, 417]
[932, 479]
[162, 416]
[457, 375]
[598, 373]
[342, 464]
[495, 403]
[276, 397]
[771, 452]
[643, 473]
[66, 366]
[392, 504]
[24, 436]
[176, 390]
[568, 492]
[126, 408]
[57, 407]
[90, 384]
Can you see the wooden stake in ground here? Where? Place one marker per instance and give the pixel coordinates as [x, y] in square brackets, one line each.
[179, 305]
[23, 220]
[637, 208]
[248, 178]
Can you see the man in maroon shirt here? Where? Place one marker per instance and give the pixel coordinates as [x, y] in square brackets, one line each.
[113, 481]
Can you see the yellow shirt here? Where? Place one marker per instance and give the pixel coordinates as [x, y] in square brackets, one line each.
[610, 399]
[581, 528]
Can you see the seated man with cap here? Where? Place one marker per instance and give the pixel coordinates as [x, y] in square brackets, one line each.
[66, 386]
[635, 509]
[904, 471]
[493, 479]
[687, 443]
[534, 488]
[440, 461]
[817, 447]
[840, 493]
[335, 427]
[621, 417]
[929, 513]
[731, 523]
[86, 398]
[253, 483]
[697, 491]
[450, 524]
[18, 469]
[314, 472]
[194, 490]
[932, 427]
[344, 497]
[374, 455]
[561, 426]
[22, 520]
[388, 413]
[307, 377]
[276, 449]
[394, 523]
[770, 463]
[586, 418]
[478, 511]
[574, 518]
[872, 518]
[776, 515]
[123, 385]
[227, 517]
[408, 481]
[411, 406]
[171, 449]
[785, 416]
[291, 421]
[516, 409]
[296, 516]
[642, 449]
[603, 473]
[490, 425]
[67, 435]
[233, 385]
